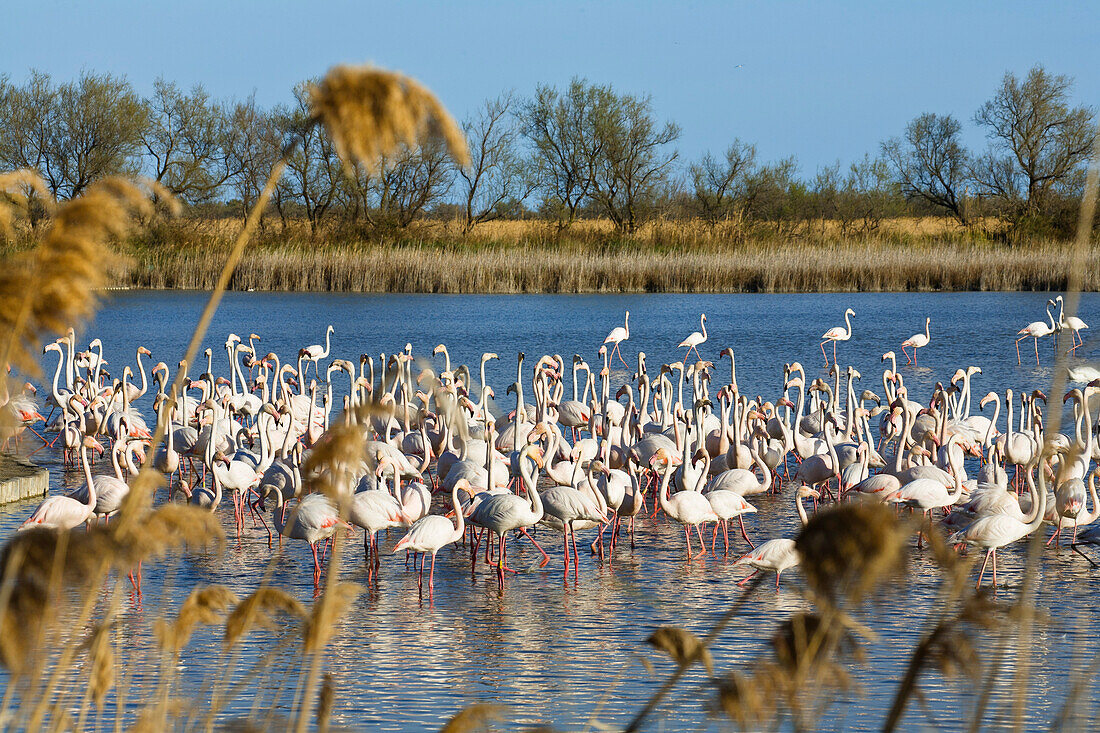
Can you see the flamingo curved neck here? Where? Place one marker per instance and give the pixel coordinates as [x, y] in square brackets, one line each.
[90, 503]
[801, 510]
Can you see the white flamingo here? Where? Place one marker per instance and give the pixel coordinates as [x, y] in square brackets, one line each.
[696, 338]
[1070, 323]
[617, 336]
[689, 508]
[994, 531]
[915, 342]
[779, 554]
[432, 533]
[837, 333]
[1036, 330]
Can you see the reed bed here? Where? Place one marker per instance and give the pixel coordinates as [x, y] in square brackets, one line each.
[869, 265]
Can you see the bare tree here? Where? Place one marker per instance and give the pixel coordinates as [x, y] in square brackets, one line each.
[930, 163]
[313, 171]
[559, 126]
[252, 143]
[411, 183]
[768, 193]
[26, 124]
[73, 134]
[718, 185]
[97, 132]
[187, 142]
[1039, 142]
[631, 161]
[497, 176]
[865, 198]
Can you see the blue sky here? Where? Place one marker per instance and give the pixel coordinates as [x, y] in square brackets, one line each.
[820, 80]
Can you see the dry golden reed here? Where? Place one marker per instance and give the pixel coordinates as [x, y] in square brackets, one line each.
[682, 645]
[371, 113]
[102, 658]
[207, 605]
[327, 610]
[169, 527]
[257, 610]
[324, 702]
[433, 266]
[53, 286]
[748, 699]
[849, 549]
[36, 565]
[329, 467]
[15, 190]
[474, 717]
[152, 718]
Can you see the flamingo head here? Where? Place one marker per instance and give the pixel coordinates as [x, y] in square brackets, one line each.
[535, 453]
[808, 492]
[700, 455]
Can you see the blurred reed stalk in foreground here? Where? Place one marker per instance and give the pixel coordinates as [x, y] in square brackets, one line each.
[52, 582]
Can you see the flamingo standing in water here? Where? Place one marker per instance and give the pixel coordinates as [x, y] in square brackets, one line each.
[696, 338]
[316, 352]
[994, 531]
[779, 554]
[689, 508]
[616, 337]
[66, 512]
[313, 520]
[837, 333]
[1036, 330]
[433, 532]
[915, 342]
[1071, 323]
[501, 513]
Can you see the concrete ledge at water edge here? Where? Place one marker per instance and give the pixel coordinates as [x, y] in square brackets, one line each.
[20, 479]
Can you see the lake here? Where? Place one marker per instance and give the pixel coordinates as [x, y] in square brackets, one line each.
[553, 652]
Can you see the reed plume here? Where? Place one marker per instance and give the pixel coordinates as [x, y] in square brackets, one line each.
[16, 189]
[371, 113]
[205, 605]
[848, 550]
[473, 717]
[102, 659]
[318, 627]
[683, 646]
[258, 610]
[53, 286]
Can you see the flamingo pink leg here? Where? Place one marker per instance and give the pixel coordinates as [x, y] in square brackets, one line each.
[982, 573]
[747, 577]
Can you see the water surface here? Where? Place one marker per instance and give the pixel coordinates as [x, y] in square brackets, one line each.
[550, 651]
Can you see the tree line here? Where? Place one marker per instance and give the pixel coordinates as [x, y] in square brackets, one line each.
[561, 154]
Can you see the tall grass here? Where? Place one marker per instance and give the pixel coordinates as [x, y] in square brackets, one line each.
[866, 265]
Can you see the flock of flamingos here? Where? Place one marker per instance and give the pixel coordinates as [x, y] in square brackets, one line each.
[673, 441]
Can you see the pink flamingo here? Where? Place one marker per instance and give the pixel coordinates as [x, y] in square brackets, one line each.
[65, 512]
[837, 333]
[313, 520]
[915, 342]
[617, 336]
[433, 532]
